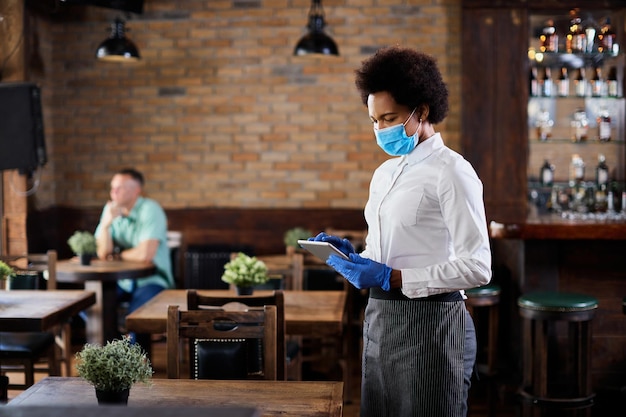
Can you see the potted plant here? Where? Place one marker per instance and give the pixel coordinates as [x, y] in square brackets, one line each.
[292, 236]
[19, 279]
[6, 271]
[83, 244]
[245, 272]
[113, 368]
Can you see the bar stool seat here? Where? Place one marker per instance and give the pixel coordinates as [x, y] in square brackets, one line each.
[556, 372]
[485, 298]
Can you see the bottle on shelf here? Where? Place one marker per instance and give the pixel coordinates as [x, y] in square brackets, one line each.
[575, 41]
[602, 172]
[604, 125]
[580, 126]
[544, 125]
[611, 82]
[590, 37]
[576, 170]
[596, 84]
[547, 174]
[546, 83]
[602, 183]
[534, 82]
[549, 39]
[606, 38]
[580, 84]
[563, 83]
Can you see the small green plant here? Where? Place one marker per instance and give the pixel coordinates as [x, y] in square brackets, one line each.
[115, 366]
[245, 271]
[82, 243]
[293, 235]
[6, 270]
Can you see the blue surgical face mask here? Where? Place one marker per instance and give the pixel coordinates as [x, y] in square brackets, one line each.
[393, 139]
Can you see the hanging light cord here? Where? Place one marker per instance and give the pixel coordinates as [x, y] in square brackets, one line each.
[316, 16]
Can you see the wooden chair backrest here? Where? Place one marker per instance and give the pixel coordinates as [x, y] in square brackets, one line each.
[196, 301]
[250, 324]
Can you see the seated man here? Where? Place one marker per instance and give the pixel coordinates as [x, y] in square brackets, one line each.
[134, 228]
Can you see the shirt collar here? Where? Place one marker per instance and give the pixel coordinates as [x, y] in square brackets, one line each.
[422, 150]
[134, 212]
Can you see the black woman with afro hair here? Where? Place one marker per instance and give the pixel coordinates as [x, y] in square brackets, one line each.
[427, 242]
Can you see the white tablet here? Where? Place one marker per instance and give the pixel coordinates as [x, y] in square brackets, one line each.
[321, 249]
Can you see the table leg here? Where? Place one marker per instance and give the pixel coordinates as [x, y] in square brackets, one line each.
[93, 326]
[102, 317]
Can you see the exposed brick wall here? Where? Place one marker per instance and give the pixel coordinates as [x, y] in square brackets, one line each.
[218, 113]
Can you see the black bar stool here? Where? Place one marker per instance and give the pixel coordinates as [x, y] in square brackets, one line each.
[556, 364]
[485, 299]
[483, 304]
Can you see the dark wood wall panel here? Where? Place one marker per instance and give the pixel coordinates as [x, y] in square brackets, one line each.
[261, 229]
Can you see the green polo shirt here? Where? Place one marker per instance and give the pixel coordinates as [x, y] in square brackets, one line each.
[145, 221]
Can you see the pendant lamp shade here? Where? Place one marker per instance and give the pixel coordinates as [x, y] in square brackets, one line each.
[316, 41]
[117, 47]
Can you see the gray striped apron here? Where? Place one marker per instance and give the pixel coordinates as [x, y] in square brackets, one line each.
[415, 361]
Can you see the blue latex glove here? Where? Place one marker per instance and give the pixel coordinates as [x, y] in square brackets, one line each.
[343, 245]
[362, 272]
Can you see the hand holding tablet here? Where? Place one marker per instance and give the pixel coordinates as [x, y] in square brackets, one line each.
[321, 249]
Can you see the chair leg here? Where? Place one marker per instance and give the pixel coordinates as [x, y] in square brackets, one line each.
[29, 373]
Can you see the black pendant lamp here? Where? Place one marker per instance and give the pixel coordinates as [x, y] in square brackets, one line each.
[117, 48]
[316, 41]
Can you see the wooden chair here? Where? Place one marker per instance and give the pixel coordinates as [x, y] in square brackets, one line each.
[22, 351]
[196, 301]
[232, 328]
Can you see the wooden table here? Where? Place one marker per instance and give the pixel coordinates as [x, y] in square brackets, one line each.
[307, 313]
[272, 398]
[35, 311]
[101, 277]
[116, 411]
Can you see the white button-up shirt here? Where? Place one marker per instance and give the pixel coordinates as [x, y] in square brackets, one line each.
[426, 217]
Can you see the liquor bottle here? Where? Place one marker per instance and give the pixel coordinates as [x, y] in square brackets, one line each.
[590, 37]
[549, 39]
[596, 83]
[611, 82]
[580, 126]
[575, 41]
[602, 183]
[602, 172]
[606, 38]
[547, 174]
[534, 83]
[576, 170]
[547, 82]
[544, 125]
[580, 84]
[563, 83]
[604, 125]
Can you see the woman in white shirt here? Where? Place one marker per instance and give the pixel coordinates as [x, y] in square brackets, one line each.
[427, 241]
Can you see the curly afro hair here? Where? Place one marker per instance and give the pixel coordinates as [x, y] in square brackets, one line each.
[411, 77]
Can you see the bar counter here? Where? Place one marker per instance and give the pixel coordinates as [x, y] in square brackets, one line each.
[555, 226]
[553, 253]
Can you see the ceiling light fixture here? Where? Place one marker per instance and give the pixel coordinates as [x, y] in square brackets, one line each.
[316, 41]
[117, 47]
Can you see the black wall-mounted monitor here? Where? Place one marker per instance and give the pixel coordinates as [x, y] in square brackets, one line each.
[22, 144]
